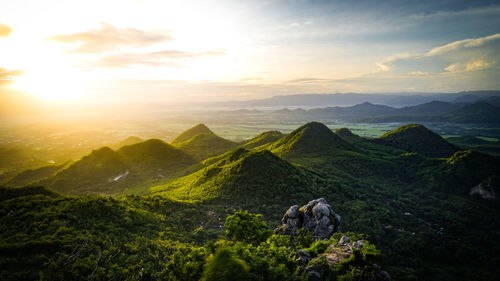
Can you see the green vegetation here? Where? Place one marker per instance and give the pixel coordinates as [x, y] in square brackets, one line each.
[263, 139]
[479, 144]
[417, 138]
[131, 168]
[416, 208]
[203, 146]
[190, 133]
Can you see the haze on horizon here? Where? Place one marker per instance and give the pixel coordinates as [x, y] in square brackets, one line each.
[185, 51]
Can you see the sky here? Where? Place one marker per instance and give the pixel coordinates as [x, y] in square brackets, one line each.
[209, 50]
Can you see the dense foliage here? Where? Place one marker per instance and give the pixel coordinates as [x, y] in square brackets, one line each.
[417, 209]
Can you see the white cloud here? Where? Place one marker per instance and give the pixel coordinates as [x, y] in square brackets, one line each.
[478, 64]
[110, 37]
[419, 73]
[467, 43]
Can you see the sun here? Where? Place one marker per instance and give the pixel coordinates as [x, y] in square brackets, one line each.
[52, 85]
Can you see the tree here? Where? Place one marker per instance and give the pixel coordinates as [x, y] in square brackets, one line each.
[224, 267]
[246, 227]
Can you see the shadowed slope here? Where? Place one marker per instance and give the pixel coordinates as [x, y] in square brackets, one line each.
[262, 139]
[312, 139]
[132, 167]
[243, 176]
[417, 138]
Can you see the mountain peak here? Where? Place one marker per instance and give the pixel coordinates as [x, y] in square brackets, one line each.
[311, 138]
[417, 138]
[186, 135]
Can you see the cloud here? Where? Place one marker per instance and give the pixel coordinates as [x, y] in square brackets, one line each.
[419, 73]
[463, 55]
[467, 43]
[478, 64]
[171, 58]
[8, 76]
[110, 37]
[5, 30]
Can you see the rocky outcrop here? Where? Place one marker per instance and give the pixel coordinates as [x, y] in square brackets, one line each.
[316, 217]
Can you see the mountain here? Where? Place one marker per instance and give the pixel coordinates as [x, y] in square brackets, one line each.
[188, 134]
[243, 177]
[131, 168]
[128, 141]
[419, 139]
[471, 142]
[311, 139]
[465, 170]
[427, 109]
[201, 143]
[478, 112]
[262, 139]
[34, 175]
[349, 99]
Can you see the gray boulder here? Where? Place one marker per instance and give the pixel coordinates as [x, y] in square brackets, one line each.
[316, 217]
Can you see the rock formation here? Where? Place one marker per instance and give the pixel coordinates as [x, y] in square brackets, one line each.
[316, 217]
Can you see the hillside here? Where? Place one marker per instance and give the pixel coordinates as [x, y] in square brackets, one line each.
[188, 134]
[311, 139]
[203, 146]
[471, 142]
[128, 141]
[131, 168]
[417, 138]
[479, 112]
[243, 177]
[262, 139]
[34, 175]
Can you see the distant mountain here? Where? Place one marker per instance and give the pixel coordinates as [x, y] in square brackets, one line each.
[349, 99]
[478, 112]
[245, 177]
[417, 138]
[262, 139]
[186, 135]
[432, 108]
[132, 167]
[311, 139]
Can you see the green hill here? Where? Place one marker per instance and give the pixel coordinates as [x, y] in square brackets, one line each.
[262, 139]
[311, 139]
[471, 142]
[203, 146]
[34, 175]
[464, 170]
[417, 138]
[198, 129]
[132, 168]
[243, 177]
[128, 141]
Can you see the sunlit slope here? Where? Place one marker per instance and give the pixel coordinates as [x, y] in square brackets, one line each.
[186, 135]
[243, 177]
[316, 147]
[201, 143]
[34, 175]
[312, 139]
[417, 138]
[132, 168]
[128, 141]
[262, 139]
